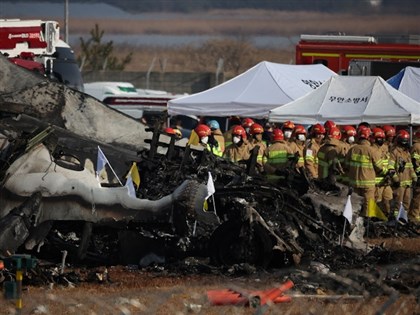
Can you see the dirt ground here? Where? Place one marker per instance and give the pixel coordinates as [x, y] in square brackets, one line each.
[129, 291]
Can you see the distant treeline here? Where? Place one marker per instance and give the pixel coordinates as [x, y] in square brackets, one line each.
[350, 6]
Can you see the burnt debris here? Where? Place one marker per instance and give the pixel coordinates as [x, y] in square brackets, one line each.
[52, 202]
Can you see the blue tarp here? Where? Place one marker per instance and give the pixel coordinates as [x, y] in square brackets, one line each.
[395, 81]
[407, 81]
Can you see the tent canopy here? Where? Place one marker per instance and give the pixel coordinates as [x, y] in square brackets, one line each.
[351, 100]
[254, 92]
[407, 81]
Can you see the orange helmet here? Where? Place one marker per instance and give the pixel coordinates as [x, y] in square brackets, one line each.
[329, 124]
[202, 131]
[247, 122]
[256, 129]
[334, 133]
[170, 131]
[389, 131]
[363, 132]
[178, 133]
[403, 135]
[349, 131]
[278, 135]
[299, 129]
[239, 131]
[318, 129]
[363, 125]
[288, 125]
[378, 133]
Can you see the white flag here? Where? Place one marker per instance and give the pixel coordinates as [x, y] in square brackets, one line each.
[101, 161]
[348, 210]
[210, 186]
[402, 214]
[130, 186]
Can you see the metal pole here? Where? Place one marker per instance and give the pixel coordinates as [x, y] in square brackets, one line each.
[19, 304]
[66, 21]
[149, 71]
[344, 230]
[219, 69]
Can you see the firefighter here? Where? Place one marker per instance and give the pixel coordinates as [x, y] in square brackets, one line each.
[246, 124]
[414, 213]
[363, 164]
[329, 165]
[402, 171]
[172, 131]
[383, 192]
[239, 149]
[233, 122]
[288, 127]
[256, 131]
[268, 133]
[311, 150]
[207, 140]
[169, 131]
[389, 136]
[277, 156]
[348, 138]
[328, 125]
[297, 145]
[217, 134]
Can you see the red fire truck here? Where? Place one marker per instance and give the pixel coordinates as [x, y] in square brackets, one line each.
[358, 55]
[36, 46]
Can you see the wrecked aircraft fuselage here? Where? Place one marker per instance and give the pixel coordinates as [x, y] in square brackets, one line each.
[49, 205]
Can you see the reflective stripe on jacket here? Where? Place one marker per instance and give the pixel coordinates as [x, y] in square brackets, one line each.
[400, 161]
[363, 163]
[277, 154]
[311, 157]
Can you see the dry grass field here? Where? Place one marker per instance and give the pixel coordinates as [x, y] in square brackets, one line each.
[256, 22]
[239, 55]
[161, 292]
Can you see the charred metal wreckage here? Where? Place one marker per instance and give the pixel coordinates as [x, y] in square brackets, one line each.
[51, 201]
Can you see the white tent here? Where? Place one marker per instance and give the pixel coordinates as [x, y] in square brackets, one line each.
[254, 92]
[407, 81]
[351, 100]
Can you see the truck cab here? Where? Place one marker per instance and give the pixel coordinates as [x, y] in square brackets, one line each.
[337, 51]
[36, 45]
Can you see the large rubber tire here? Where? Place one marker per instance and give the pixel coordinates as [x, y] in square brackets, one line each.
[195, 196]
[192, 198]
[236, 242]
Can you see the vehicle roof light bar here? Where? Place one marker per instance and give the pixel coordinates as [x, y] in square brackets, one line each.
[339, 38]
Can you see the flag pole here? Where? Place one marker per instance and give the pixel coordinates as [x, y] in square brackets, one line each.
[115, 173]
[395, 228]
[214, 208]
[347, 213]
[344, 230]
[214, 204]
[109, 164]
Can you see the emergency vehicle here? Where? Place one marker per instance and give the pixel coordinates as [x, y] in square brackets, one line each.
[36, 46]
[356, 55]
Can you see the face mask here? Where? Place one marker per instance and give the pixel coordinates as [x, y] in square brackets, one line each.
[287, 134]
[380, 141]
[301, 137]
[404, 144]
[350, 139]
[204, 140]
[236, 139]
[247, 130]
